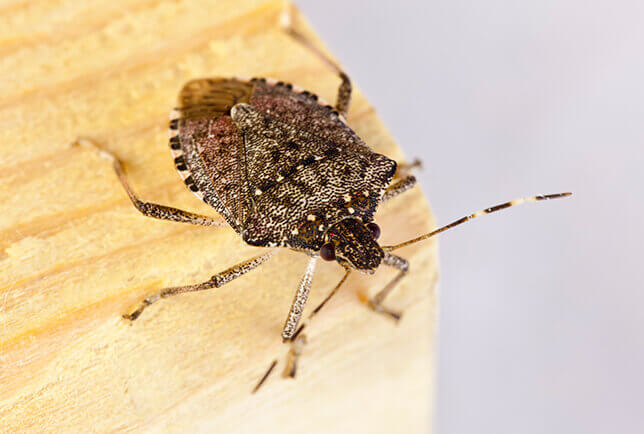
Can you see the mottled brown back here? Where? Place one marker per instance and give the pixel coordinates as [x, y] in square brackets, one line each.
[281, 167]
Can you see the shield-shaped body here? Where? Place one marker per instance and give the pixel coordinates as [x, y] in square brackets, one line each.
[277, 163]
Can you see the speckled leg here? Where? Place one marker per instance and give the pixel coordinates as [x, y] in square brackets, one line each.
[215, 281]
[375, 302]
[344, 91]
[149, 209]
[299, 302]
[298, 340]
[399, 187]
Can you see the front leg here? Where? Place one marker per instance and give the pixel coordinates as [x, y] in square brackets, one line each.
[297, 347]
[375, 302]
[297, 339]
[299, 301]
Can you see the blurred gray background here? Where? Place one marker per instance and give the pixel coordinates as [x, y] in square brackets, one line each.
[542, 306]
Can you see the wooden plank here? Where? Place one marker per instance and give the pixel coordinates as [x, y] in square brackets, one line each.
[75, 255]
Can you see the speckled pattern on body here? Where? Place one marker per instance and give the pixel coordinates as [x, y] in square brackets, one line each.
[277, 163]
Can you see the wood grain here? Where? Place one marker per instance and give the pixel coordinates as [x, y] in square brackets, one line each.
[75, 255]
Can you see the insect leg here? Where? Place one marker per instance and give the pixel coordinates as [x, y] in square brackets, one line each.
[405, 169]
[298, 339]
[215, 281]
[344, 91]
[399, 187]
[375, 302]
[149, 209]
[321, 305]
[299, 301]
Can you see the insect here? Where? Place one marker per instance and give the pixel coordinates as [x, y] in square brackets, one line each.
[284, 170]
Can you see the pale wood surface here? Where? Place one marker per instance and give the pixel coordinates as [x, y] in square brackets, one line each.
[75, 255]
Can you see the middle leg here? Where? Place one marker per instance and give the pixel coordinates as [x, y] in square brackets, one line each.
[215, 281]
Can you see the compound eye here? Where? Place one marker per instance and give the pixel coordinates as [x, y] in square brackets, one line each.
[374, 229]
[327, 252]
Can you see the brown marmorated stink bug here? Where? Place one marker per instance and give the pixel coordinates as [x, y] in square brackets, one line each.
[284, 169]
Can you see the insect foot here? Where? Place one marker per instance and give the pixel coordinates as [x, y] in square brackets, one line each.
[93, 146]
[294, 353]
[379, 308]
[136, 313]
[297, 343]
